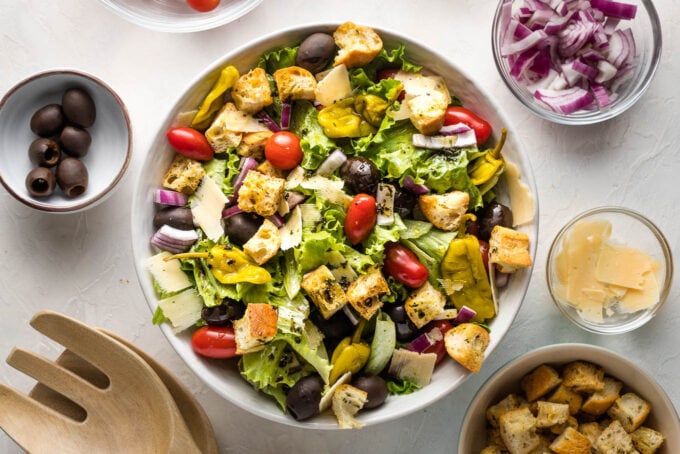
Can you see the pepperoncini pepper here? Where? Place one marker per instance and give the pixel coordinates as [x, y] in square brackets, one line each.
[485, 170]
[350, 355]
[463, 265]
[229, 265]
[357, 116]
[213, 100]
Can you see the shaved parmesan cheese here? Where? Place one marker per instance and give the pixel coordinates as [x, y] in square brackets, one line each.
[412, 366]
[291, 232]
[334, 86]
[522, 201]
[183, 309]
[237, 121]
[207, 206]
[167, 273]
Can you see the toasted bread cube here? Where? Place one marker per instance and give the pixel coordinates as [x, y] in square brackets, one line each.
[252, 144]
[347, 400]
[646, 440]
[559, 428]
[184, 175]
[592, 430]
[510, 402]
[251, 92]
[494, 437]
[219, 137]
[582, 376]
[266, 168]
[358, 45]
[466, 343]
[630, 410]
[424, 304]
[365, 293]
[444, 211]
[294, 83]
[264, 244]
[571, 441]
[540, 382]
[428, 111]
[615, 439]
[551, 414]
[518, 430]
[509, 249]
[600, 401]
[261, 193]
[491, 449]
[257, 327]
[324, 290]
[564, 395]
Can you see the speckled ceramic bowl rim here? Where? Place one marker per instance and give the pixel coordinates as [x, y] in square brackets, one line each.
[128, 153]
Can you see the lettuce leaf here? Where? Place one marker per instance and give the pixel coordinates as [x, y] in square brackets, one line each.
[316, 146]
[277, 59]
[387, 58]
[430, 247]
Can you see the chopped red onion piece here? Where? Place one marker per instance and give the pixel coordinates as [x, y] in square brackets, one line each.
[268, 121]
[565, 101]
[425, 340]
[465, 315]
[286, 111]
[615, 9]
[174, 240]
[601, 96]
[454, 129]
[276, 219]
[412, 186]
[168, 197]
[461, 140]
[247, 164]
[332, 163]
[230, 211]
[294, 199]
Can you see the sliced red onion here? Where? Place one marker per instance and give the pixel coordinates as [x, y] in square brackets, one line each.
[247, 164]
[268, 121]
[276, 219]
[168, 197]
[286, 111]
[601, 96]
[332, 163]
[461, 140]
[565, 101]
[294, 198]
[412, 186]
[425, 340]
[615, 9]
[230, 211]
[174, 240]
[465, 315]
[454, 129]
[350, 315]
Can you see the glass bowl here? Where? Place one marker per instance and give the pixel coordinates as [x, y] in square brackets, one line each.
[646, 30]
[598, 274]
[176, 16]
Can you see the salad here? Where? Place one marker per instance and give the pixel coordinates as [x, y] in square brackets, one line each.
[330, 225]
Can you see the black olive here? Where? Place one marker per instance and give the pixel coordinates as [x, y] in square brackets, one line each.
[177, 217]
[375, 387]
[78, 107]
[241, 227]
[303, 398]
[72, 177]
[404, 202]
[44, 152]
[75, 141]
[225, 313]
[48, 120]
[492, 215]
[361, 175]
[315, 52]
[40, 182]
[404, 327]
[337, 326]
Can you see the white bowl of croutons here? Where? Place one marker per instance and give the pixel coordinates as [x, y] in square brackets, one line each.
[570, 398]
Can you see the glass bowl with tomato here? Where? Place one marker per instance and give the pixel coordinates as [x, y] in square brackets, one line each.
[181, 16]
[574, 65]
[353, 233]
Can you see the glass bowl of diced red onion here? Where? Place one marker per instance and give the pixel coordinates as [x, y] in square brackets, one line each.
[577, 62]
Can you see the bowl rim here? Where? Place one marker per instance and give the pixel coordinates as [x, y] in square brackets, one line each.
[128, 152]
[663, 243]
[593, 117]
[576, 350]
[308, 28]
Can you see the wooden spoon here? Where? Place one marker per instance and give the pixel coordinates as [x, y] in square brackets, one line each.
[133, 413]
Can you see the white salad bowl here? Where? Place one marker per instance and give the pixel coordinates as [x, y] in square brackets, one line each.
[222, 375]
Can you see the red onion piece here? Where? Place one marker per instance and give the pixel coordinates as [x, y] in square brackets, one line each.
[247, 164]
[454, 129]
[425, 340]
[173, 240]
[412, 186]
[332, 163]
[171, 198]
[230, 211]
[268, 121]
[286, 111]
[565, 101]
[465, 315]
[276, 219]
[615, 9]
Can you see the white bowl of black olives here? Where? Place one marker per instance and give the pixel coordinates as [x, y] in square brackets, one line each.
[65, 140]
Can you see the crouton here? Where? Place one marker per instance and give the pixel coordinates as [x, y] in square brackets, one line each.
[266, 168]
[551, 414]
[630, 410]
[424, 304]
[466, 343]
[260, 193]
[257, 327]
[358, 45]
[582, 376]
[494, 437]
[564, 395]
[347, 400]
[252, 144]
[491, 449]
[184, 175]
[518, 430]
[510, 402]
[219, 136]
[571, 441]
[428, 111]
[600, 401]
[365, 292]
[647, 440]
[251, 92]
[592, 430]
[294, 83]
[509, 249]
[444, 211]
[324, 290]
[615, 439]
[264, 244]
[559, 428]
[539, 382]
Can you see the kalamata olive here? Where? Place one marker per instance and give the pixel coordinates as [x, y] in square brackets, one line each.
[177, 217]
[492, 215]
[225, 313]
[337, 326]
[72, 177]
[40, 182]
[375, 387]
[75, 141]
[303, 398]
[360, 175]
[44, 152]
[78, 107]
[404, 327]
[404, 202]
[48, 120]
[315, 52]
[241, 227]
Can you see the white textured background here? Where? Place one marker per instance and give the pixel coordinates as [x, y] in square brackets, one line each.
[81, 264]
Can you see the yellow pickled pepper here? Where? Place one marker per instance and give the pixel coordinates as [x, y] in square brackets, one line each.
[486, 169]
[350, 355]
[213, 100]
[229, 265]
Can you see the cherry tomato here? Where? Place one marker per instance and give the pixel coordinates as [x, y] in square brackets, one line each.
[214, 341]
[403, 265]
[438, 347]
[484, 250]
[283, 150]
[203, 5]
[361, 218]
[457, 114]
[190, 143]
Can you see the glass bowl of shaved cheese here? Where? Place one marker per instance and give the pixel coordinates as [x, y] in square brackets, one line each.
[609, 270]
